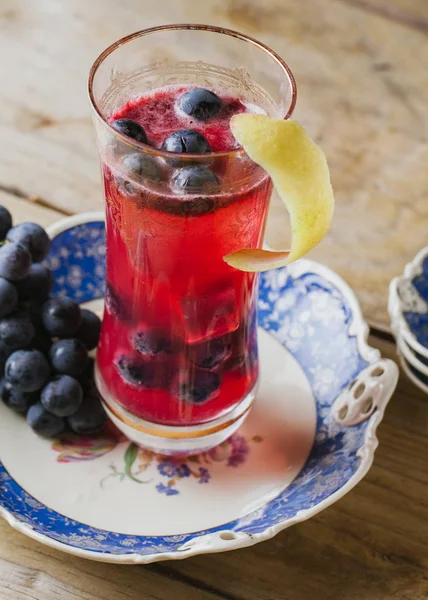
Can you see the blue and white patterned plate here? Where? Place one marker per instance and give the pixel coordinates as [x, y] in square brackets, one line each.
[408, 309]
[309, 440]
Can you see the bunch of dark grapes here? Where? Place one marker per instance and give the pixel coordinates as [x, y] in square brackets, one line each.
[46, 370]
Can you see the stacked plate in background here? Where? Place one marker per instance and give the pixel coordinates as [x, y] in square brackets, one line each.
[408, 309]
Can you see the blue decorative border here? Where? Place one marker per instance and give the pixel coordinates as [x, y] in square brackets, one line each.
[308, 315]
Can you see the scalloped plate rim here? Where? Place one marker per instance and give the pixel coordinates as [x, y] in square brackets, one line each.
[213, 542]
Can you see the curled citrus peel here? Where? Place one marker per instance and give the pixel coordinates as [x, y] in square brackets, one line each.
[299, 172]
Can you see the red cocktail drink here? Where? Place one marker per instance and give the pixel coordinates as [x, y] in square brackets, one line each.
[177, 364]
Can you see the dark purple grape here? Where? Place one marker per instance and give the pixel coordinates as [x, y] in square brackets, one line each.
[86, 377]
[89, 330]
[8, 297]
[62, 396]
[131, 129]
[68, 357]
[43, 422]
[200, 103]
[15, 261]
[200, 387]
[16, 331]
[5, 222]
[4, 355]
[33, 237]
[90, 418]
[16, 400]
[36, 286]
[61, 317]
[27, 370]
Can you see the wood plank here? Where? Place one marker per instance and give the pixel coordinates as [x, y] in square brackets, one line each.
[363, 92]
[25, 210]
[30, 570]
[413, 13]
[372, 544]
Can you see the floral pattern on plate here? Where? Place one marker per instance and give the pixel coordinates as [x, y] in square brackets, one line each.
[314, 315]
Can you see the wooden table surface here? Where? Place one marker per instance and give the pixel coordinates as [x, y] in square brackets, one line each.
[362, 73]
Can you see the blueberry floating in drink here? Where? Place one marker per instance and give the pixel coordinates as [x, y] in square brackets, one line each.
[199, 387]
[194, 178]
[135, 371]
[152, 343]
[131, 129]
[186, 141]
[200, 103]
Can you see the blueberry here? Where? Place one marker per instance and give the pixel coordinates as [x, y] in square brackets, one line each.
[212, 354]
[16, 331]
[68, 357]
[115, 304]
[61, 316]
[37, 285]
[136, 372]
[8, 297]
[33, 237]
[200, 104]
[151, 343]
[200, 387]
[62, 396]
[90, 329]
[43, 422]
[194, 178]
[186, 140]
[131, 129]
[27, 370]
[141, 166]
[16, 400]
[15, 262]
[5, 222]
[126, 188]
[90, 418]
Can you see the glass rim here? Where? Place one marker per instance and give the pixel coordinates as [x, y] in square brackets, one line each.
[236, 152]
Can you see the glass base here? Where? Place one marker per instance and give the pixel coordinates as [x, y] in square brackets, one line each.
[174, 439]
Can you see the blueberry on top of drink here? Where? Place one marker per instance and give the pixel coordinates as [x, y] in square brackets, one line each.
[200, 103]
[131, 129]
[186, 141]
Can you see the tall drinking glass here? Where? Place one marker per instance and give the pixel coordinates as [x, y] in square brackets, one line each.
[177, 364]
